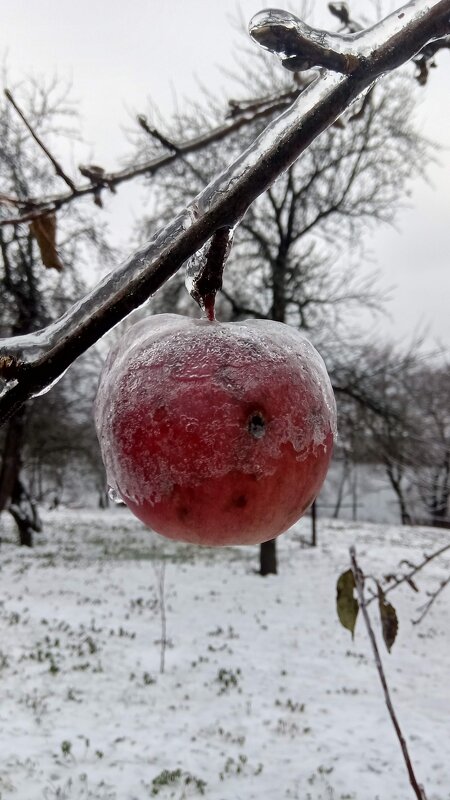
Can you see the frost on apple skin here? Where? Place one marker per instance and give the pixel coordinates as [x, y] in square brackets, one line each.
[156, 379]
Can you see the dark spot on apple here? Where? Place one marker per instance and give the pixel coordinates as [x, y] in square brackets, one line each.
[236, 501]
[183, 512]
[256, 425]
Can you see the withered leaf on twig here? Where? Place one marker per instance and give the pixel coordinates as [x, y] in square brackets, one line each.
[389, 621]
[44, 231]
[347, 604]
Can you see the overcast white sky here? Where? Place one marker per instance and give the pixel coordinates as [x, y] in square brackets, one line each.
[118, 54]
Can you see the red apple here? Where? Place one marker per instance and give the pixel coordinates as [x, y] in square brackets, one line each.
[215, 433]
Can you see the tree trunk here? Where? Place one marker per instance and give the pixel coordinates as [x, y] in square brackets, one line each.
[25, 514]
[440, 494]
[103, 497]
[340, 491]
[13, 496]
[11, 457]
[354, 494]
[396, 483]
[268, 558]
[21, 282]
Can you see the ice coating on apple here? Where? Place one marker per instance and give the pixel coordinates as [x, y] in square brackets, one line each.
[215, 433]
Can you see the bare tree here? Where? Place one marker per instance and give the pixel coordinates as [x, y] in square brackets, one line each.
[430, 390]
[380, 419]
[38, 278]
[396, 415]
[61, 457]
[289, 260]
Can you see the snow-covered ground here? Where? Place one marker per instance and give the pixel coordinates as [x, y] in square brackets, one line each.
[263, 696]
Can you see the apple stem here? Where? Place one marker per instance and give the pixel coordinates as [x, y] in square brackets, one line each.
[208, 280]
[209, 303]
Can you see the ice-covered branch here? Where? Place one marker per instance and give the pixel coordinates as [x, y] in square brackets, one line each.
[241, 114]
[301, 47]
[100, 179]
[30, 363]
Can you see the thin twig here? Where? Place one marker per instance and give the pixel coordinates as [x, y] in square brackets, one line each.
[359, 581]
[257, 104]
[433, 597]
[156, 134]
[45, 205]
[169, 145]
[6, 199]
[58, 168]
[407, 578]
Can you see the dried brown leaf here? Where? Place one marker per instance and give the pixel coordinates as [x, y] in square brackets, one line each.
[44, 231]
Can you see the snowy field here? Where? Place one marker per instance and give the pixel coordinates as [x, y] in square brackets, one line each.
[263, 696]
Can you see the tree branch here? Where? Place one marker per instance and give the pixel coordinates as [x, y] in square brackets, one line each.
[395, 580]
[156, 134]
[58, 168]
[242, 114]
[240, 309]
[301, 47]
[433, 597]
[37, 207]
[32, 362]
[359, 581]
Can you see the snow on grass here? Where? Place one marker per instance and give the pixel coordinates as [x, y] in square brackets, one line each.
[264, 695]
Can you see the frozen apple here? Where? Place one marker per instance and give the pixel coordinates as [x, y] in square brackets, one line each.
[215, 433]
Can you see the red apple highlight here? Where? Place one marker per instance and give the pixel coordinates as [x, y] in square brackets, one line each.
[215, 433]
